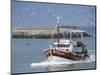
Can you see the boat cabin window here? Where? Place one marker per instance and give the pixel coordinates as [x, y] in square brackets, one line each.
[62, 45]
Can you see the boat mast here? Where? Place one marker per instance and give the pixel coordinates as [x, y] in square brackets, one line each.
[70, 36]
[82, 42]
[82, 36]
[58, 32]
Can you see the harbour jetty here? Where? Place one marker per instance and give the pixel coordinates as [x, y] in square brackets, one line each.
[43, 32]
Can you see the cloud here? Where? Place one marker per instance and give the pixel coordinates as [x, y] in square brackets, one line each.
[33, 13]
[48, 10]
[27, 8]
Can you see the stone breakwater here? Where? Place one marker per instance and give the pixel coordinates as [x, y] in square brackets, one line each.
[44, 32]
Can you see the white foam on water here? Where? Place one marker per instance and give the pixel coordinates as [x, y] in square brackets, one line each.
[57, 61]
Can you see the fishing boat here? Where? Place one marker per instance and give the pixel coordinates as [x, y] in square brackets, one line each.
[64, 47]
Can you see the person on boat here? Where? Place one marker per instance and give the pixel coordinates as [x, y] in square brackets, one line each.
[67, 50]
[84, 51]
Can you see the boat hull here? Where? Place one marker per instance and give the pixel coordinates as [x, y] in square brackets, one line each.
[65, 54]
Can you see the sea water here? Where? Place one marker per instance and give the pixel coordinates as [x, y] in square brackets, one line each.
[27, 56]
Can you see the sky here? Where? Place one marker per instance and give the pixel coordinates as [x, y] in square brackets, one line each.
[35, 13]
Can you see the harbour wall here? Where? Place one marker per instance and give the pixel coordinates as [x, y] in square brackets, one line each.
[43, 32]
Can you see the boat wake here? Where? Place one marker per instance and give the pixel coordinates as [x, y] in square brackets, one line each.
[57, 61]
